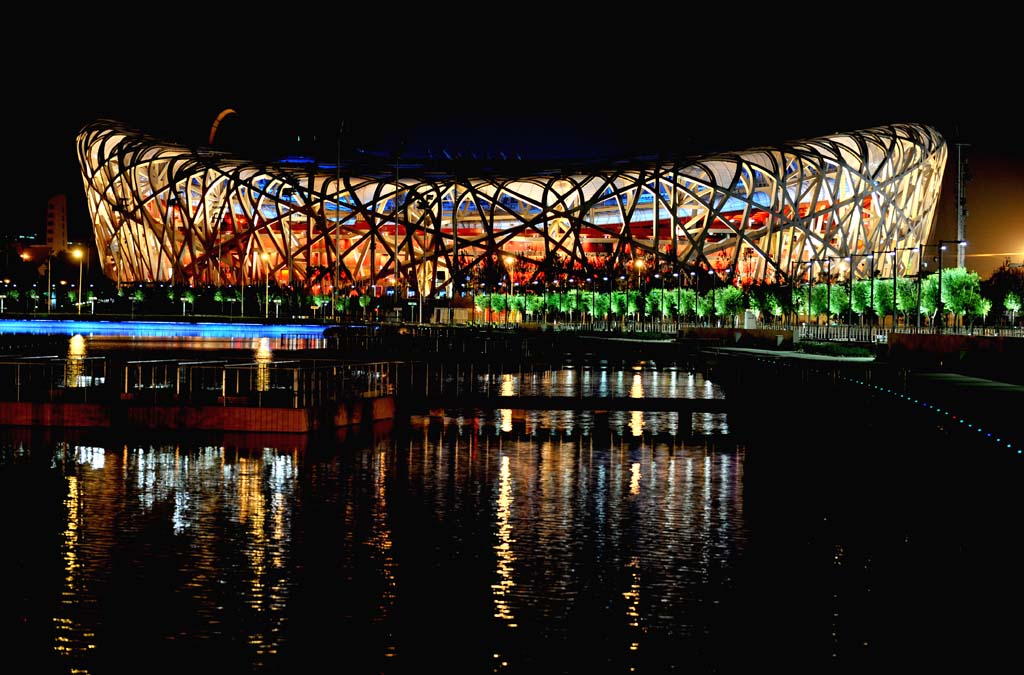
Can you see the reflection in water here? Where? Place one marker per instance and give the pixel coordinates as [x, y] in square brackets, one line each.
[75, 362]
[505, 555]
[597, 382]
[635, 423]
[263, 357]
[71, 637]
[217, 545]
[507, 389]
[632, 596]
[380, 542]
[201, 494]
[636, 417]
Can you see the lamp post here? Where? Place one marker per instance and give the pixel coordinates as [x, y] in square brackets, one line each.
[78, 255]
[608, 314]
[678, 298]
[661, 300]
[871, 273]
[940, 304]
[266, 294]
[509, 261]
[828, 296]
[49, 287]
[696, 292]
[894, 315]
[849, 306]
[639, 265]
[714, 310]
[921, 263]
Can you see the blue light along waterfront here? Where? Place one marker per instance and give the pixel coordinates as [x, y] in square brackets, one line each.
[160, 329]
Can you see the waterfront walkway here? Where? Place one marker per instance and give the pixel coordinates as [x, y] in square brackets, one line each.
[988, 407]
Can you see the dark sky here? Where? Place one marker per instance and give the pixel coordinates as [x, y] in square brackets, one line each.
[533, 95]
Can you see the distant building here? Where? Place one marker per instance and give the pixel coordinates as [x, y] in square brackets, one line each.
[57, 223]
[165, 212]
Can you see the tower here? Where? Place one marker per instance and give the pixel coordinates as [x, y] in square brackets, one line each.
[57, 223]
[962, 176]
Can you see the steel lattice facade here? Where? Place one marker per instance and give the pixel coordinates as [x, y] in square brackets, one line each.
[164, 212]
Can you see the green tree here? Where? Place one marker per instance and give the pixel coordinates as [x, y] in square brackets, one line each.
[819, 300]
[800, 305]
[365, 300]
[685, 306]
[705, 307]
[534, 304]
[1011, 303]
[619, 303]
[961, 290]
[775, 307]
[602, 304]
[862, 296]
[517, 303]
[930, 295]
[660, 301]
[498, 302]
[839, 299]
[883, 298]
[729, 302]
[483, 303]
[906, 296]
[979, 309]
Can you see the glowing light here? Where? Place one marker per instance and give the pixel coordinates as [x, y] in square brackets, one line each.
[506, 556]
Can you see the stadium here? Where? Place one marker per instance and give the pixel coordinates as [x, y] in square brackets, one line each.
[164, 212]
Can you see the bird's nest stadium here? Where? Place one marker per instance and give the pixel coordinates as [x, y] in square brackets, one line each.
[163, 212]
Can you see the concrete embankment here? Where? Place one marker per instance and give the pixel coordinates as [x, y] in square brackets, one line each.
[114, 415]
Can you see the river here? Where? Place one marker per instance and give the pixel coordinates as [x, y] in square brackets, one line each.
[499, 540]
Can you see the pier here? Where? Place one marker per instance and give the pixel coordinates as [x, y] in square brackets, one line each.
[294, 395]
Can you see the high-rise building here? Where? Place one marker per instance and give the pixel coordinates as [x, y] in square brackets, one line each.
[57, 223]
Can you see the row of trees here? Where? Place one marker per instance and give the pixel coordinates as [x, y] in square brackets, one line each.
[866, 300]
[498, 287]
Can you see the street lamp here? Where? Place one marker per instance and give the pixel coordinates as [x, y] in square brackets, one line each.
[894, 315]
[678, 308]
[639, 265]
[711, 271]
[266, 295]
[696, 292]
[77, 253]
[509, 261]
[940, 304]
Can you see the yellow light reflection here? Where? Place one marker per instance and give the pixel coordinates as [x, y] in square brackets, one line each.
[263, 357]
[636, 417]
[76, 361]
[508, 388]
[69, 638]
[381, 542]
[634, 478]
[506, 557]
[263, 482]
[632, 597]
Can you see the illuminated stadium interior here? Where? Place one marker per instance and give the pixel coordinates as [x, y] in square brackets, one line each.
[163, 212]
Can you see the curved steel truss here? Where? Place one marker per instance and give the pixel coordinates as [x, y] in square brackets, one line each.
[163, 212]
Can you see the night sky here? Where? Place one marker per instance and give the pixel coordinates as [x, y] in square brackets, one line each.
[585, 97]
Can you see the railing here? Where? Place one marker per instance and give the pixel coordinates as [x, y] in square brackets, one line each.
[280, 384]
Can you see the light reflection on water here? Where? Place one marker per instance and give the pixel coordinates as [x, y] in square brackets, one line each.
[635, 423]
[392, 543]
[595, 382]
